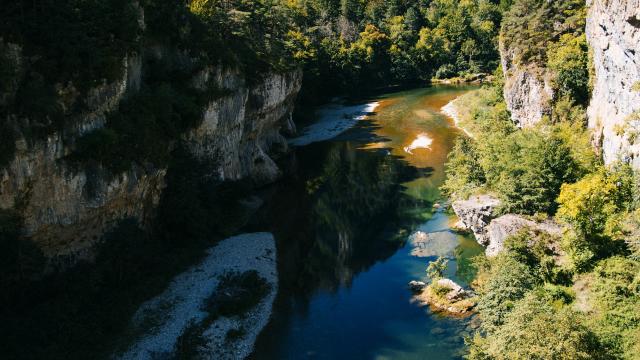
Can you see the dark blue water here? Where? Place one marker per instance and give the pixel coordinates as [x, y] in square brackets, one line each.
[343, 222]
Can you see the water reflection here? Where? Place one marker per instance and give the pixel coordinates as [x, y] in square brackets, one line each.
[344, 220]
[344, 210]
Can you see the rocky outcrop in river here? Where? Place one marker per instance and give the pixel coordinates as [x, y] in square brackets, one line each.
[613, 32]
[67, 208]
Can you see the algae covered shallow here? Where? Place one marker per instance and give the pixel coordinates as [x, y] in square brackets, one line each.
[355, 222]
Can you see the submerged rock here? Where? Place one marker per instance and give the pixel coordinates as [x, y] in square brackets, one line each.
[439, 243]
[475, 214]
[417, 286]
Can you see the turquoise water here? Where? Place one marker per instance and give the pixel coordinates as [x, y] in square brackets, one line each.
[343, 220]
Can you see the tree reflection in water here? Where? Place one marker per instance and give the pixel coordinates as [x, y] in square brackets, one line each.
[342, 210]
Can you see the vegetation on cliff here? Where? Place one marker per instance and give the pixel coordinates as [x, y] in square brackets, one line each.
[577, 298]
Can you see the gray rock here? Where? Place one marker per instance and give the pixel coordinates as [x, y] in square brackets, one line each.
[456, 293]
[68, 209]
[501, 228]
[475, 214]
[527, 90]
[613, 33]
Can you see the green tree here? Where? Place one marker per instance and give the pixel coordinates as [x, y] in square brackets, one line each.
[536, 330]
[569, 60]
[436, 268]
[506, 281]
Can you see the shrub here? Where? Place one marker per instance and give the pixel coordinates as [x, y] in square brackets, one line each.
[568, 59]
[592, 206]
[536, 330]
[616, 296]
[236, 293]
[507, 280]
[463, 170]
[446, 71]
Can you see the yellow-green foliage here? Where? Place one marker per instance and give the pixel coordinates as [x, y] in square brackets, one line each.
[588, 204]
[569, 60]
[593, 207]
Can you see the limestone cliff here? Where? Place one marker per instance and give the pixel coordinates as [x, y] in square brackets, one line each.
[613, 32]
[241, 128]
[66, 209]
[527, 89]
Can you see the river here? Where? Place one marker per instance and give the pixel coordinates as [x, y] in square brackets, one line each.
[344, 220]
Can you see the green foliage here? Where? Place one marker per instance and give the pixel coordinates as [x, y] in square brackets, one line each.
[591, 206]
[630, 229]
[419, 37]
[436, 268]
[569, 60]
[464, 173]
[525, 168]
[530, 25]
[528, 168]
[506, 281]
[536, 330]
[616, 295]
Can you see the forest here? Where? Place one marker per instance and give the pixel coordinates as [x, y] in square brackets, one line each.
[529, 298]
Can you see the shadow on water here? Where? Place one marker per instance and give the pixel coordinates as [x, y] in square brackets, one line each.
[343, 218]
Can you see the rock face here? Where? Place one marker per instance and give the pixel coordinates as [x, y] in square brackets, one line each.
[475, 214]
[527, 90]
[613, 32]
[240, 129]
[478, 215]
[66, 209]
[501, 228]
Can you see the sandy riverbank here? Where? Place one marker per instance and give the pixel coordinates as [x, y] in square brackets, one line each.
[451, 110]
[333, 120]
[162, 319]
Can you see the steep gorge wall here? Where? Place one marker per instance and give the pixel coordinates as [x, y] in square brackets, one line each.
[67, 209]
[613, 32]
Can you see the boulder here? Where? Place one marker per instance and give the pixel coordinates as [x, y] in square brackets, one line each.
[456, 293]
[475, 214]
[507, 225]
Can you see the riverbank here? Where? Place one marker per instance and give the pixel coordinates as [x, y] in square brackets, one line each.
[333, 120]
[165, 318]
[452, 110]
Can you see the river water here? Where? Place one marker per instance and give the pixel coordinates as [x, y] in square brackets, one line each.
[345, 222]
